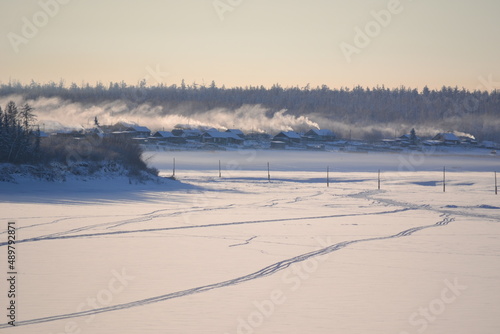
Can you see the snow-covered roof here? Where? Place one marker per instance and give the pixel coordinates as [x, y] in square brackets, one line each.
[217, 134]
[163, 134]
[235, 131]
[407, 137]
[290, 134]
[322, 132]
[447, 137]
[138, 128]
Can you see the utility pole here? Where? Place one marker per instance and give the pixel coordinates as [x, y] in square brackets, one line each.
[328, 176]
[496, 187]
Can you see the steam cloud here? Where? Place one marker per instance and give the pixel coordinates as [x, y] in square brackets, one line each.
[58, 114]
[55, 114]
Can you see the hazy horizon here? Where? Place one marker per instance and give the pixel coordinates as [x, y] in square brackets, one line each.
[488, 83]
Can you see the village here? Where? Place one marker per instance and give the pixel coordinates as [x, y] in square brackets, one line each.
[200, 138]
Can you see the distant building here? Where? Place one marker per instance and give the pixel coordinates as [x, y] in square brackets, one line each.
[407, 137]
[315, 147]
[319, 135]
[130, 130]
[69, 134]
[139, 131]
[163, 134]
[431, 142]
[223, 138]
[406, 140]
[447, 138]
[237, 132]
[489, 144]
[168, 137]
[468, 140]
[288, 137]
[192, 134]
[278, 145]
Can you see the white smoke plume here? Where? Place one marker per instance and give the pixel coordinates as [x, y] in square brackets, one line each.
[379, 131]
[58, 114]
[55, 113]
[464, 134]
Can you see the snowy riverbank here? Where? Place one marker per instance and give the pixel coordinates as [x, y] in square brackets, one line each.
[82, 171]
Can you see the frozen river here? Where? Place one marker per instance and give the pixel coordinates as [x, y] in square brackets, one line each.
[240, 254]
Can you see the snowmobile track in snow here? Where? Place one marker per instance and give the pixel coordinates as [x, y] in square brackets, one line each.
[64, 235]
[264, 272]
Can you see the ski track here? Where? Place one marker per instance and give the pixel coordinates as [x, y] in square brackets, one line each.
[48, 223]
[264, 272]
[244, 243]
[369, 196]
[141, 218]
[146, 217]
[172, 214]
[63, 235]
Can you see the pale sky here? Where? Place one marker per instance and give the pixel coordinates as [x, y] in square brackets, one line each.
[253, 42]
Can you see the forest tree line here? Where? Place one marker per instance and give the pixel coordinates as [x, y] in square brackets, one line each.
[476, 112]
[21, 143]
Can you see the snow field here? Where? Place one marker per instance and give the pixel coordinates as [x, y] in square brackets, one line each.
[239, 254]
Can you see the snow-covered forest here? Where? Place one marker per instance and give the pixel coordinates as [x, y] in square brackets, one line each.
[368, 112]
[20, 143]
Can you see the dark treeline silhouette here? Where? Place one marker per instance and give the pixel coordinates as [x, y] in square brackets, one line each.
[475, 112]
[19, 142]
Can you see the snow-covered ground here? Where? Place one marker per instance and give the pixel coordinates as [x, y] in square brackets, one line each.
[240, 254]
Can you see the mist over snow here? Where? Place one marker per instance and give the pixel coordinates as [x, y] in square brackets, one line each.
[55, 113]
[383, 130]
